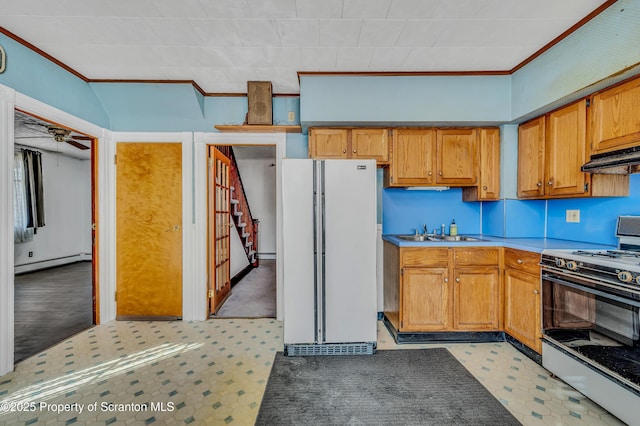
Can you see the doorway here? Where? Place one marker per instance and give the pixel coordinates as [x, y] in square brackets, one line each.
[55, 257]
[252, 255]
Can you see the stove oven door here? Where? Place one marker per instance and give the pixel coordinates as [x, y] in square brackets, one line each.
[578, 312]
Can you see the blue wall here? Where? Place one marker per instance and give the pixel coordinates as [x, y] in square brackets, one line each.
[31, 74]
[404, 210]
[410, 100]
[597, 216]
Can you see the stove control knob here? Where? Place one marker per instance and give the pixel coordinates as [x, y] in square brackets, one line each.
[572, 266]
[560, 263]
[638, 279]
[625, 276]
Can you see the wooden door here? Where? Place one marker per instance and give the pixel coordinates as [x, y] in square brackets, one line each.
[566, 151]
[531, 145]
[413, 154]
[370, 143]
[476, 298]
[149, 230]
[614, 117]
[328, 143]
[522, 307]
[456, 153]
[425, 299]
[219, 229]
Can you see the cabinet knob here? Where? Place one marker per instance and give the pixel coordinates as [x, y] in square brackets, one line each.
[440, 173]
[484, 188]
[550, 183]
[539, 184]
[458, 279]
[519, 261]
[536, 291]
[446, 280]
[429, 173]
[354, 151]
[344, 151]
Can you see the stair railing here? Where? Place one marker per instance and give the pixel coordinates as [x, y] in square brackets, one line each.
[246, 224]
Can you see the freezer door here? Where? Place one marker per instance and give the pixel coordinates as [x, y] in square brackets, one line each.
[298, 251]
[350, 305]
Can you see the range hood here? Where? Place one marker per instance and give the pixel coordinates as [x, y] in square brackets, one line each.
[621, 162]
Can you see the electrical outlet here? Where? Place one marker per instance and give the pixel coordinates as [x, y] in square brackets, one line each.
[292, 116]
[573, 216]
[30, 254]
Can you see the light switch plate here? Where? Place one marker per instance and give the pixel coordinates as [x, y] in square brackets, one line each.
[292, 116]
[573, 216]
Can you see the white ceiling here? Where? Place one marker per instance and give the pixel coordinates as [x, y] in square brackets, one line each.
[222, 44]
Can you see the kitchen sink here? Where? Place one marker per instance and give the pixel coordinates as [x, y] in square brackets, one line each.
[437, 238]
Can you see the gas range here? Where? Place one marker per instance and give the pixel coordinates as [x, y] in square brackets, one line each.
[618, 270]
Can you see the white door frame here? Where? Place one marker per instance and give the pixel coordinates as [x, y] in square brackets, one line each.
[9, 100]
[184, 138]
[201, 140]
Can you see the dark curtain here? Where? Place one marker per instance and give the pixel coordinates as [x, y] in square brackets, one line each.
[33, 186]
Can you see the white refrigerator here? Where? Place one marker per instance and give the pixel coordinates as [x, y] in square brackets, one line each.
[329, 232]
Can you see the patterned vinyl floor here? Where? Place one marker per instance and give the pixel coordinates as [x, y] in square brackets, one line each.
[215, 372]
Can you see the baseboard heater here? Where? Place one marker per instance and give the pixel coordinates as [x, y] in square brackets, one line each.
[367, 348]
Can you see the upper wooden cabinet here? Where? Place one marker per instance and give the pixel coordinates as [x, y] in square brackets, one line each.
[531, 139]
[370, 143]
[551, 150]
[343, 143]
[614, 118]
[456, 156]
[423, 157]
[328, 143]
[413, 158]
[488, 187]
[566, 151]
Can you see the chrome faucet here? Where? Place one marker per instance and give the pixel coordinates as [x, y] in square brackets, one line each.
[424, 227]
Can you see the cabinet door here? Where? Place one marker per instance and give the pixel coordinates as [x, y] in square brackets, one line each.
[370, 143]
[614, 117]
[489, 164]
[413, 154]
[456, 153]
[566, 148]
[328, 143]
[531, 141]
[522, 307]
[476, 298]
[425, 299]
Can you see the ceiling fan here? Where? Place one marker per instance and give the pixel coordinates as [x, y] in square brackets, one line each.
[60, 134]
[34, 125]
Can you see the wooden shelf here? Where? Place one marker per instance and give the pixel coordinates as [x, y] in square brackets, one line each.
[258, 128]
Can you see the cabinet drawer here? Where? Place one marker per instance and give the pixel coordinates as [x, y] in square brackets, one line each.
[476, 256]
[436, 257]
[523, 260]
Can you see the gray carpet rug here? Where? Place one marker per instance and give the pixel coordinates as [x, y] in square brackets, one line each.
[391, 387]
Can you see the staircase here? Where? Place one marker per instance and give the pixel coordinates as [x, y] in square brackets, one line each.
[246, 224]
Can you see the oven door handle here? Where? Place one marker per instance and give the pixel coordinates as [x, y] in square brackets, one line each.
[591, 290]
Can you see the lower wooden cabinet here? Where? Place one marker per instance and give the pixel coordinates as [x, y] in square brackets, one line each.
[442, 289]
[522, 297]
[476, 298]
[425, 299]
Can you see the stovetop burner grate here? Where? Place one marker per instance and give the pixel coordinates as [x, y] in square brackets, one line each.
[612, 254]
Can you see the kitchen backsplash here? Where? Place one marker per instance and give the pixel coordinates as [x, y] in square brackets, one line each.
[405, 210]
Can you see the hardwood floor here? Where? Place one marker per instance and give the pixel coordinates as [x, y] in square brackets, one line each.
[50, 306]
